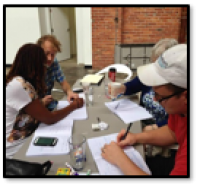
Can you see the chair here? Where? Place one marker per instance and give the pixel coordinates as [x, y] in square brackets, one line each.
[120, 68]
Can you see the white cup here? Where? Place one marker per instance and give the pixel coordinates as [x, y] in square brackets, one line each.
[86, 87]
[88, 90]
[113, 87]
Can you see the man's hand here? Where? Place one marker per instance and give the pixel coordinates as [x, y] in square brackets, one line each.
[129, 140]
[47, 99]
[112, 153]
[71, 95]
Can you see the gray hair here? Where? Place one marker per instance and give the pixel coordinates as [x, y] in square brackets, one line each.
[161, 46]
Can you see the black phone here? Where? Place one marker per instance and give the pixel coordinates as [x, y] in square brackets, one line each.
[45, 141]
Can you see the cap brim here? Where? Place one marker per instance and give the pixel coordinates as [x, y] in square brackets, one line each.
[149, 76]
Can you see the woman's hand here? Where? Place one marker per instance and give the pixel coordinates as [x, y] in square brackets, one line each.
[78, 102]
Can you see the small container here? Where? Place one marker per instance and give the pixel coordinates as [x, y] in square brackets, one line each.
[112, 74]
[77, 143]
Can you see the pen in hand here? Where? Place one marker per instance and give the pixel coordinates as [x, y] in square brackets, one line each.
[128, 128]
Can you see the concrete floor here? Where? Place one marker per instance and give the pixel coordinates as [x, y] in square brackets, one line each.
[73, 72]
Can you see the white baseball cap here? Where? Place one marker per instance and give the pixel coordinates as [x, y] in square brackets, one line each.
[170, 67]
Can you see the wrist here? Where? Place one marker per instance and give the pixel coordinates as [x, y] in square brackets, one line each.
[123, 89]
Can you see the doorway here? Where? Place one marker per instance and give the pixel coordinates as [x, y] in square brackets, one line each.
[62, 23]
[75, 22]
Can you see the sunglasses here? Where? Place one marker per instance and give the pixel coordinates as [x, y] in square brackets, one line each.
[168, 97]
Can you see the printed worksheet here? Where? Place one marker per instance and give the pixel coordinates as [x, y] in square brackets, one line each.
[62, 130]
[106, 168]
[78, 114]
[128, 110]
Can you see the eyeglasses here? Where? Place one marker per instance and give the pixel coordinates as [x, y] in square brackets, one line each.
[168, 97]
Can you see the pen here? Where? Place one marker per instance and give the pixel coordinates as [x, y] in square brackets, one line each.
[128, 128]
[118, 96]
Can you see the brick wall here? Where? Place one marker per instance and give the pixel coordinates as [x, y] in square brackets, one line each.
[136, 25]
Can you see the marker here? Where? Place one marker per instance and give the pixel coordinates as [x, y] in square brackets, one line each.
[88, 172]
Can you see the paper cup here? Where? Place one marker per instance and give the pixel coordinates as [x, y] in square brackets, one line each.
[114, 86]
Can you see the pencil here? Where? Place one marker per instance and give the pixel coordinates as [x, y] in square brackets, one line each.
[128, 128]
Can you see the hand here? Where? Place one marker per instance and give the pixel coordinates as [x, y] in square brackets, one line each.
[117, 91]
[113, 153]
[78, 102]
[129, 140]
[47, 99]
[71, 95]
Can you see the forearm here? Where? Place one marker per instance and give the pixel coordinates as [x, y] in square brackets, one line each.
[65, 86]
[38, 111]
[60, 114]
[129, 168]
[162, 136]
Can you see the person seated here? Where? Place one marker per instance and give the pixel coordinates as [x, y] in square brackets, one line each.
[159, 114]
[51, 46]
[168, 78]
[24, 109]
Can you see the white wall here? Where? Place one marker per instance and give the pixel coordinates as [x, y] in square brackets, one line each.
[72, 27]
[22, 26]
[84, 36]
[44, 21]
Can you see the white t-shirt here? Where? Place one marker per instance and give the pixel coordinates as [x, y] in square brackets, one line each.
[19, 125]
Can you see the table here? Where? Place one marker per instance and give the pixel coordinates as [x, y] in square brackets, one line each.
[98, 109]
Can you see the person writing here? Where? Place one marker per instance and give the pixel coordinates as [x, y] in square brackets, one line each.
[24, 109]
[54, 72]
[168, 78]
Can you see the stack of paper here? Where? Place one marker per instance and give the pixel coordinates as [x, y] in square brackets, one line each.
[105, 168]
[61, 130]
[128, 111]
[78, 114]
[93, 79]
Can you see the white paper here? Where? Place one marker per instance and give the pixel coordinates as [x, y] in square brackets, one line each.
[61, 130]
[78, 114]
[128, 111]
[106, 168]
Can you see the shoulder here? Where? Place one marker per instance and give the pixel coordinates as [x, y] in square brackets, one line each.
[18, 85]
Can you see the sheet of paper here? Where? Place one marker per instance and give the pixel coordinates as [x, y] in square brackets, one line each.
[78, 114]
[61, 130]
[105, 168]
[85, 173]
[128, 111]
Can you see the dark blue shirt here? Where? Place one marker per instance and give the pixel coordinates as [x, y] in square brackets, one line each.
[146, 100]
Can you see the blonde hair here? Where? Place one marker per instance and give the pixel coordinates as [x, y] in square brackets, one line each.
[52, 39]
[161, 46]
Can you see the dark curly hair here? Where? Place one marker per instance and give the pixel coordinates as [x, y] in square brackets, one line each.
[29, 64]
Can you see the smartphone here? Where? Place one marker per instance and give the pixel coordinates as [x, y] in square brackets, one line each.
[45, 141]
